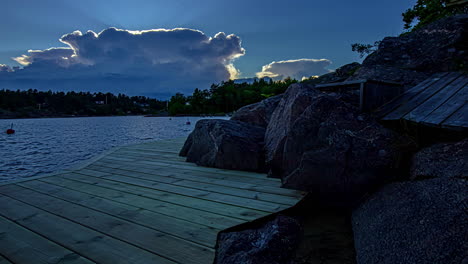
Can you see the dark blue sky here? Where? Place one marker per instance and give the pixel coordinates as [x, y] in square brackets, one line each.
[270, 30]
[134, 47]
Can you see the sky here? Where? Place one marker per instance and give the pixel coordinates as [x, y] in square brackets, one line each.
[159, 47]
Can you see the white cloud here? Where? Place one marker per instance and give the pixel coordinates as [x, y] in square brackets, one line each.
[157, 61]
[296, 69]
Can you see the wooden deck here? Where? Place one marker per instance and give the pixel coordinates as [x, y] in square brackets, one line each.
[440, 101]
[138, 204]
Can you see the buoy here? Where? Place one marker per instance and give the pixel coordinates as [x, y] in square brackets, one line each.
[10, 130]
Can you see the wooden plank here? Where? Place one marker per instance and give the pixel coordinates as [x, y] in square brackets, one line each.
[147, 154]
[421, 97]
[242, 192]
[421, 111]
[20, 245]
[159, 243]
[169, 171]
[205, 178]
[180, 228]
[458, 119]
[444, 111]
[173, 210]
[193, 167]
[220, 200]
[212, 202]
[151, 152]
[85, 241]
[408, 95]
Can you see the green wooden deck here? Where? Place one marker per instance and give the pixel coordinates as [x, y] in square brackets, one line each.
[136, 204]
[440, 101]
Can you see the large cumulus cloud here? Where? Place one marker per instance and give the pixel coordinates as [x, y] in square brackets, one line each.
[296, 69]
[142, 62]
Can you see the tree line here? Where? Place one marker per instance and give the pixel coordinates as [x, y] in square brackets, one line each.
[226, 97]
[221, 98]
[34, 103]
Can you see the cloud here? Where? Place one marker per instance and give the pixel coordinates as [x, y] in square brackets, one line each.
[149, 61]
[5, 68]
[296, 69]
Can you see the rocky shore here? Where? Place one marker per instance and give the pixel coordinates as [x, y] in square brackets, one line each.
[376, 195]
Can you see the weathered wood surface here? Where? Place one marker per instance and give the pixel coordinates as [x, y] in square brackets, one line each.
[138, 204]
[439, 101]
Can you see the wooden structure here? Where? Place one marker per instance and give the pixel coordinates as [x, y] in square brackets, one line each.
[371, 93]
[138, 204]
[438, 102]
[457, 2]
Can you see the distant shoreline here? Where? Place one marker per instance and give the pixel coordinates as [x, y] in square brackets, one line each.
[77, 116]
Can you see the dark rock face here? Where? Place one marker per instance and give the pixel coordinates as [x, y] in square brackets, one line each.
[414, 222]
[226, 144]
[295, 100]
[258, 114]
[322, 145]
[273, 243]
[339, 75]
[412, 57]
[441, 160]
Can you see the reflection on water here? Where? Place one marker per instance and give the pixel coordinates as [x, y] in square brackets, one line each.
[47, 145]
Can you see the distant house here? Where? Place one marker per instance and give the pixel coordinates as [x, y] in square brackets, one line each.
[99, 102]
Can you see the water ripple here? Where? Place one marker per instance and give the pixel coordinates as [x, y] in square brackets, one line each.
[47, 145]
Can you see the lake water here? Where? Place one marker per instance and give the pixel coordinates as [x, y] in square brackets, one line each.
[48, 145]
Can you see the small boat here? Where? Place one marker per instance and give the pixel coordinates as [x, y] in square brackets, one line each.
[10, 131]
[188, 122]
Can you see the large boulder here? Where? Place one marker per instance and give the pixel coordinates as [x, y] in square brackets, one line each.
[326, 147]
[414, 222]
[446, 160]
[412, 57]
[258, 114]
[272, 243]
[295, 100]
[226, 144]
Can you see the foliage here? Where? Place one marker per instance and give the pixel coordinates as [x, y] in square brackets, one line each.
[427, 11]
[364, 49]
[33, 103]
[226, 97]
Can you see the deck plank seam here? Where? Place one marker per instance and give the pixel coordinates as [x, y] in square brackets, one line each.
[91, 228]
[178, 204]
[203, 189]
[39, 234]
[292, 194]
[112, 215]
[181, 193]
[148, 209]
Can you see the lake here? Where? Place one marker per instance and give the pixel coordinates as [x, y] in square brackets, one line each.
[48, 145]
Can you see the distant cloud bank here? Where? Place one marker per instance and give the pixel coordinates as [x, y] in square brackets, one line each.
[150, 62]
[296, 69]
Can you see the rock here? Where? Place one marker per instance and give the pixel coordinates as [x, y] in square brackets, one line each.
[447, 160]
[408, 78]
[414, 222]
[296, 98]
[272, 243]
[412, 57]
[320, 144]
[258, 114]
[226, 144]
[339, 75]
